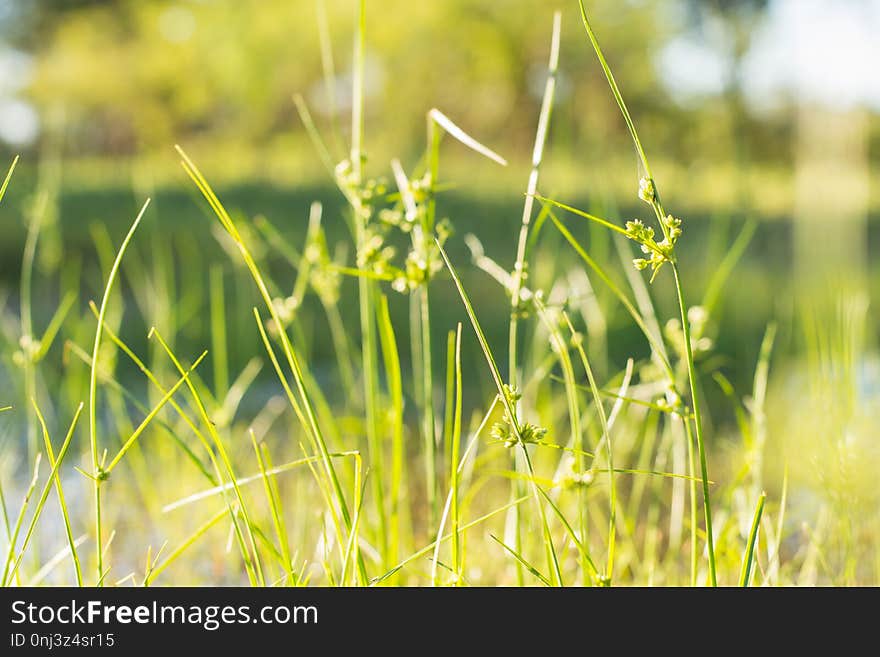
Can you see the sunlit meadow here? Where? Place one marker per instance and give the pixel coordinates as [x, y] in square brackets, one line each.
[507, 370]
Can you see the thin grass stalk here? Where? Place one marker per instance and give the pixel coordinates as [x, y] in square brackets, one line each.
[606, 435]
[560, 346]
[531, 189]
[457, 555]
[307, 415]
[426, 403]
[773, 570]
[695, 548]
[456, 462]
[272, 471]
[553, 561]
[325, 455]
[108, 380]
[661, 214]
[391, 357]
[698, 424]
[352, 544]
[449, 396]
[447, 507]
[520, 264]
[44, 495]
[27, 329]
[277, 517]
[8, 177]
[427, 549]
[50, 453]
[252, 560]
[366, 289]
[149, 417]
[13, 539]
[97, 479]
[218, 332]
[745, 574]
[369, 359]
[523, 561]
[294, 402]
[275, 492]
[171, 558]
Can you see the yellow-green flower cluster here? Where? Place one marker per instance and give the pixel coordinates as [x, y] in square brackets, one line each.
[660, 252]
[506, 430]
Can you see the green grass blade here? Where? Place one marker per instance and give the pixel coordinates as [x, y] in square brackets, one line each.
[149, 418]
[531, 189]
[13, 539]
[606, 438]
[616, 91]
[581, 213]
[656, 346]
[425, 550]
[251, 559]
[746, 572]
[452, 129]
[723, 271]
[274, 505]
[311, 424]
[560, 347]
[496, 375]
[698, 426]
[481, 337]
[107, 379]
[219, 345]
[8, 177]
[54, 325]
[44, 495]
[454, 401]
[93, 382]
[391, 357]
[60, 491]
[516, 555]
[171, 558]
[242, 481]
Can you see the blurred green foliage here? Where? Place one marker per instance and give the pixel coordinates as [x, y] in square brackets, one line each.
[135, 76]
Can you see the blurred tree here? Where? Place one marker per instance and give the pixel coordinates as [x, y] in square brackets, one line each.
[137, 76]
[736, 20]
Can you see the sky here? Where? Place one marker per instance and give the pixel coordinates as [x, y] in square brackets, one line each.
[814, 51]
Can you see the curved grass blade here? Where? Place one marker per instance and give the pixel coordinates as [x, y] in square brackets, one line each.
[44, 495]
[146, 421]
[452, 129]
[13, 539]
[8, 177]
[71, 542]
[425, 550]
[725, 268]
[516, 555]
[511, 411]
[307, 412]
[156, 570]
[217, 490]
[93, 382]
[656, 346]
[745, 574]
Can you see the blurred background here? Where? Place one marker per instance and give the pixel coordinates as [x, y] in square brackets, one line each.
[750, 110]
[761, 108]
